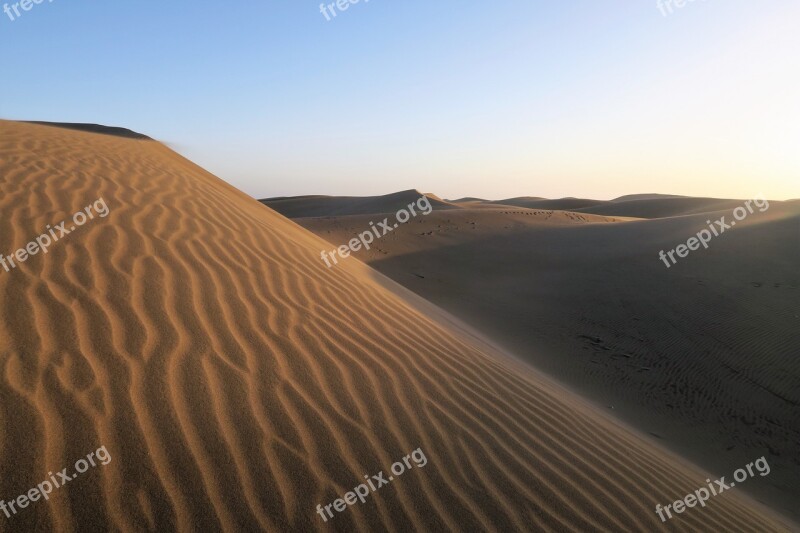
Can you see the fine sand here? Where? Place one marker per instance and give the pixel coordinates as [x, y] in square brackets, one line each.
[237, 382]
[701, 356]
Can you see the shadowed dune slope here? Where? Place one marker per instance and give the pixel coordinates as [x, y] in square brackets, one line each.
[545, 203]
[703, 354]
[632, 206]
[315, 206]
[660, 207]
[237, 382]
[467, 200]
[95, 128]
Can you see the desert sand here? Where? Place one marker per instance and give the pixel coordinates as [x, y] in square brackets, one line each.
[237, 382]
[701, 356]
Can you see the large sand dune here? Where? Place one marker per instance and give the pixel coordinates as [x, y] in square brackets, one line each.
[237, 382]
[702, 355]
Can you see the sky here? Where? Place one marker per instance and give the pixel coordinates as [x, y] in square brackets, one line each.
[499, 99]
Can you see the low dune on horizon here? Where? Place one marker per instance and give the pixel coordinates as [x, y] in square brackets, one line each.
[236, 383]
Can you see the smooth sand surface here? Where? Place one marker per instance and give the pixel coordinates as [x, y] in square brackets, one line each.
[702, 356]
[237, 382]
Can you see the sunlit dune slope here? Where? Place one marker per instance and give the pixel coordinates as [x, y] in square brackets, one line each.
[237, 382]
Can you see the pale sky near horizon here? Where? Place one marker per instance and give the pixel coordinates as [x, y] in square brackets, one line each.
[518, 98]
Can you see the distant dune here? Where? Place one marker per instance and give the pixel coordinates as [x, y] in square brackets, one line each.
[703, 355]
[467, 199]
[633, 206]
[661, 207]
[650, 196]
[315, 206]
[237, 382]
[543, 203]
[648, 206]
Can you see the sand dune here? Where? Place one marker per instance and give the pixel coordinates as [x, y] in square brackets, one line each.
[661, 207]
[632, 206]
[237, 382]
[544, 203]
[703, 355]
[315, 206]
[95, 128]
[440, 230]
[467, 199]
[648, 206]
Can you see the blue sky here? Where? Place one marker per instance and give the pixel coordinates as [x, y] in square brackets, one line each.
[556, 98]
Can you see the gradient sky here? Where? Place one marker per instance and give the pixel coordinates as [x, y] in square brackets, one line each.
[459, 98]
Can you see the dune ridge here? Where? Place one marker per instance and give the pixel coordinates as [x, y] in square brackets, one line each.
[237, 382]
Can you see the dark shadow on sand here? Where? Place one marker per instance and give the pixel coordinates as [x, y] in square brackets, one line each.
[94, 128]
